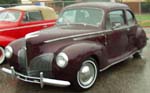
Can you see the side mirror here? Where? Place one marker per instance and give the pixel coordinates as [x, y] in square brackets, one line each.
[116, 25]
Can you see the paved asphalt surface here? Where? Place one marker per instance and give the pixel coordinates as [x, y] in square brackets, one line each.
[130, 76]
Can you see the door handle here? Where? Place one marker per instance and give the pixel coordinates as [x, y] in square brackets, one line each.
[128, 29]
[105, 39]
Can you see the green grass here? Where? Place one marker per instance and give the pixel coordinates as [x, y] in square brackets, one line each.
[143, 19]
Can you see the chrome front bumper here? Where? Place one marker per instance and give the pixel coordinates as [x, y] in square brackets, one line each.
[39, 80]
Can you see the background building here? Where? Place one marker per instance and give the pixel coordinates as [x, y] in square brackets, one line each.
[138, 6]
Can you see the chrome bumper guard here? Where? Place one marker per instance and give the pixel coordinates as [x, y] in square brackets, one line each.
[40, 80]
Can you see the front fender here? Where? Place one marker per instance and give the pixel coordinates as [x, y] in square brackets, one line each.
[4, 40]
[81, 51]
[77, 53]
[16, 46]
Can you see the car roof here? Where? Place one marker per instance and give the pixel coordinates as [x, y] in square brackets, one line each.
[47, 12]
[103, 5]
[30, 7]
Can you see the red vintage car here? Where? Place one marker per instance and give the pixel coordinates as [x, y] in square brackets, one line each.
[16, 22]
[88, 38]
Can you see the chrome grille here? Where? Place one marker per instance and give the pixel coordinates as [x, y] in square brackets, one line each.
[42, 63]
[22, 58]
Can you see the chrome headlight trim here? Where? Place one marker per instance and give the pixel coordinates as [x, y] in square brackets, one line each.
[62, 60]
[8, 51]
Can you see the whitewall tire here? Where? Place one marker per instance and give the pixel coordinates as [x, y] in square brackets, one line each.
[87, 74]
[2, 55]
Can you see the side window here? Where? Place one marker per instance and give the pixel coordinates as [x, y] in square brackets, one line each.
[115, 19]
[130, 17]
[32, 16]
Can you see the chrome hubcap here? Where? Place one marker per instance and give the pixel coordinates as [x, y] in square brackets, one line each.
[87, 74]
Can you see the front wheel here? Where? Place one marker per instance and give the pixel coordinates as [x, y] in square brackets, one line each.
[2, 55]
[87, 74]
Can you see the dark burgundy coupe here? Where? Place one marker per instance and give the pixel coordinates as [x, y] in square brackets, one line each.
[88, 38]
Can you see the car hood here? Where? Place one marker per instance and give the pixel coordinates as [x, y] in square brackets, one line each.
[7, 25]
[58, 33]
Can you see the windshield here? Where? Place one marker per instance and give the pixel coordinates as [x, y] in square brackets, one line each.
[8, 15]
[86, 16]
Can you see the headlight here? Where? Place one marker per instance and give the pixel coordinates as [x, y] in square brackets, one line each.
[62, 60]
[8, 51]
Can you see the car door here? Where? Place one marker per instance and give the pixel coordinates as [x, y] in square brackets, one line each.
[116, 35]
[33, 21]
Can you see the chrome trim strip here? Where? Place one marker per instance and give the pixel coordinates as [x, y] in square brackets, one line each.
[75, 36]
[79, 36]
[116, 62]
[40, 80]
[15, 28]
[88, 37]
[32, 34]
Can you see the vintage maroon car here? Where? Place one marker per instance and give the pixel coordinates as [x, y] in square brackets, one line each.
[16, 22]
[88, 38]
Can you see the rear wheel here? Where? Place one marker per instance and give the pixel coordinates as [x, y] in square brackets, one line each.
[87, 74]
[138, 54]
[2, 55]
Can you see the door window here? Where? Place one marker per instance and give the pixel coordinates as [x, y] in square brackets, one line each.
[33, 16]
[115, 19]
[130, 17]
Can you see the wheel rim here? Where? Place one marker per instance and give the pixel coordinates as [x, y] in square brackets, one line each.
[87, 74]
[2, 55]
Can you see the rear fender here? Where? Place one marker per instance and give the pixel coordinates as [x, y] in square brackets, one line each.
[140, 38]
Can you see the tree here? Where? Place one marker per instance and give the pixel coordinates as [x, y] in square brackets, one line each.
[63, 3]
[68, 2]
[145, 6]
[8, 1]
[148, 1]
[96, 0]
